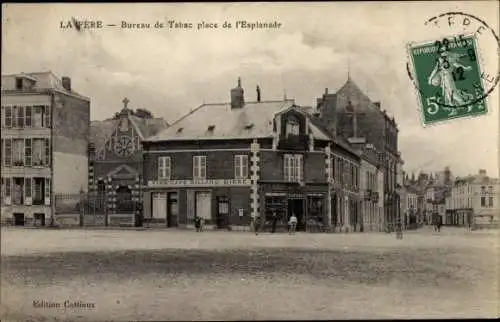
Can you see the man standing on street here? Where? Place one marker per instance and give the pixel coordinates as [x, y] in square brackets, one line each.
[293, 224]
[275, 221]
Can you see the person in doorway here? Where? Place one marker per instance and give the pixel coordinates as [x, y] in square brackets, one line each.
[274, 222]
[293, 224]
[197, 224]
[255, 225]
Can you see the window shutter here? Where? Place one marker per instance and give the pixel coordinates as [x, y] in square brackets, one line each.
[48, 116]
[27, 191]
[237, 166]
[203, 167]
[299, 168]
[195, 167]
[47, 191]
[8, 191]
[245, 166]
[47, 152]
[168, 167]
[160, 168]
[147, 204]
[28, 150]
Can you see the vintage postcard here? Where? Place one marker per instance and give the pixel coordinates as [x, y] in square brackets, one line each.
[250, 161]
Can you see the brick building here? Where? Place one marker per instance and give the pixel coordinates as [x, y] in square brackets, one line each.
[229, 162]
[351, 113]
[44, 141]
[115, 169]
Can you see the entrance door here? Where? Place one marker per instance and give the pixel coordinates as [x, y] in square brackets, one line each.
[222, 212]
[204, 205]
[159, 207]
[18, 219]
[40, 219]
[172, 209]
[296, 206]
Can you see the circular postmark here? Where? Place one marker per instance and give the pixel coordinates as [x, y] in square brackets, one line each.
[457, 68]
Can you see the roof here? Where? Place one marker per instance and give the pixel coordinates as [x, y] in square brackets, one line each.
[101, 130]
[253, 120]
[43, 81]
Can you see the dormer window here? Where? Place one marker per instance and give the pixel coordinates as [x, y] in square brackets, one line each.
[179, 130]
[292, 126]
[249, 126]
[211, 128]
[19, 83]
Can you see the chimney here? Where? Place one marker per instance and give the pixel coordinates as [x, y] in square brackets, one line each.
[66, 83]
[482, 172]
[377, 104]
[258, 93]
[237, 96]
[326, 91]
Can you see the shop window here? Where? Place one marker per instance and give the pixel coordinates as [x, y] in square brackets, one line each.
[275, 204]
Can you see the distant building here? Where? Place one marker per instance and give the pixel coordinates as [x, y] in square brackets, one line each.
[116, 167]
[229, 163]
[474, 198]
[44, 140]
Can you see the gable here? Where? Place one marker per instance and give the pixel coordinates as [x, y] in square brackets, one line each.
[123, 171]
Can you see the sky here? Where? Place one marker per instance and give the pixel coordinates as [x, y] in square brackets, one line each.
[171, 71]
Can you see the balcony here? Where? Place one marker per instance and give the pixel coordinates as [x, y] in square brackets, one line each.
[368, 194]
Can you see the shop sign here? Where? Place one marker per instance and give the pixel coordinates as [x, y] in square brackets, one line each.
[200, 183]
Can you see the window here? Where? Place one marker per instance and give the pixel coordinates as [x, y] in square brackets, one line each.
[14, 116]
[37, 116]
[19, 83]
[38, 152]
[8, 187]
[240, 166]
[38, 191]
[199, 167]
[27, 187]
[483, 189]
[28, 116]
[490, 189]
[292, 126]
[490, 202]
[20, 116]
[18, 191]
[8, 116]
[18, 152]
[7, 152]
[293, 167]
[164, 168]
[27, 152]
[483, 201]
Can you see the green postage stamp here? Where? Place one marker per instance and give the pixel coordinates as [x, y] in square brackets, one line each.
[447, 76]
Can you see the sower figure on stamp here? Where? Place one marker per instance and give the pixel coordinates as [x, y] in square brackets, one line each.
[442, 76]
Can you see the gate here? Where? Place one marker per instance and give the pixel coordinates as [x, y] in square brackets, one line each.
[83, 209]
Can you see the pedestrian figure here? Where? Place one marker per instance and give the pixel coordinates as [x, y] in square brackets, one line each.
[275, 221]
[293, 224]
[439, 224]
[399, 230]
[254, 224]
[198, 224]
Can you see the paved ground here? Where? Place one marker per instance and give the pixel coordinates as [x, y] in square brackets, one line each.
[179, 275]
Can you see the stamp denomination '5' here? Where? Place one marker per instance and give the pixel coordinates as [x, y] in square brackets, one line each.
[448, 78]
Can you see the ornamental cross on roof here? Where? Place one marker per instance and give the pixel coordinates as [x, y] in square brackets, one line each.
[125, 102]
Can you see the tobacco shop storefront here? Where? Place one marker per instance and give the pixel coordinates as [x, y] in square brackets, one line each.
[220, 203]
[308, 203]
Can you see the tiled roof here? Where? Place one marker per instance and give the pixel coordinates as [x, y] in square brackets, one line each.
[253, 120]
[44, 81]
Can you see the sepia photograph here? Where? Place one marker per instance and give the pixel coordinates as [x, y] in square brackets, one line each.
[245, 161]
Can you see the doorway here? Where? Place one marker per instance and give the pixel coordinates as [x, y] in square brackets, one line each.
[172, 209]
[204, 205]
[222, 212]
[296, 206]
[18, 219]
[40, 220]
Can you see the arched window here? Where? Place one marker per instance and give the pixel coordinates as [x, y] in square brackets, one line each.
[292, 126]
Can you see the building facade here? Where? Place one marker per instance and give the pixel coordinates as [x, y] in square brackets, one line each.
[231, 163]
[349, 112]
[116, 164]
[44, 140]
[474, 198]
